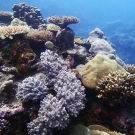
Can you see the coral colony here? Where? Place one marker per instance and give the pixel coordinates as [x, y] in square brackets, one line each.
[51, 81]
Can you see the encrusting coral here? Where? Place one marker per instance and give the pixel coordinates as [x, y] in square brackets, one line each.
[129, 68]
[10, 31]
[117, 89]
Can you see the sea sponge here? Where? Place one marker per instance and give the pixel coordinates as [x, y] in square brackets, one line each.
[32, 88]
[129, 68]
[117, 89]
[40, 35]
[97, 68]
[9, 31]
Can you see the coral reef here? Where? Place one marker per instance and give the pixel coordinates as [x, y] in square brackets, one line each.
[64, 21]
[10, 31]
[70, 90]
[31, 15]
[99, 45]
[53, 64]
[129, 68]
[92, 72]
[120, 85]
[32, 88]
[3, 123]
[18, 22]
[53, 112]
[65, 39]
[5, 17]
[40, 36]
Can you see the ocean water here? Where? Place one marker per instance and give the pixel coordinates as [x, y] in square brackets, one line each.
[20, 58]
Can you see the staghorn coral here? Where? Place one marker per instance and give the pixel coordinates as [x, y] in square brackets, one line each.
[5, 17]
[64, 21]
[40, 35]
[129, 68]
[117, 89]
[31, 15]
[32, 88]
[9, 31]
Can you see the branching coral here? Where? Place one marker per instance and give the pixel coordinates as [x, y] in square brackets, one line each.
[117, 88]
[32, 88]
[70, 90]
[53, 112]
[64, 21]
[39, 36]
[9, 31]
[53, 64]
[68, 99]
[130, 68]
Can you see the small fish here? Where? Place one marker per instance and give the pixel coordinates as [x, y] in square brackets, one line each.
[49, 44]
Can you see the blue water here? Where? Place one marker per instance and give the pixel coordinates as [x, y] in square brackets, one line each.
[113, 17]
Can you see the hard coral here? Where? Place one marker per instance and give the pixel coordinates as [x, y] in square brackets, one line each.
[129, 68]
[5, 17]
[31, 15]
[40, 35]
[70, 90]
[9, 31]
[92, 72]
[32, 88]
[117, 89]
[53, 112]
[64, 21]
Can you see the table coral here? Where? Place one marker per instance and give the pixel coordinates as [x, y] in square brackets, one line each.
[10, 31]
[129, 68]
[64, 21]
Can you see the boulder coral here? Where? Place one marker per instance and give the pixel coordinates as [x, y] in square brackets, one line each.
[97, 68]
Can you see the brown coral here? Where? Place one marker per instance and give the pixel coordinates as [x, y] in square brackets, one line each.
[130, 68]
[5, 17]
[29, 14]
[117, 88]
[9, 31]
[64, 21]
[40, 35]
